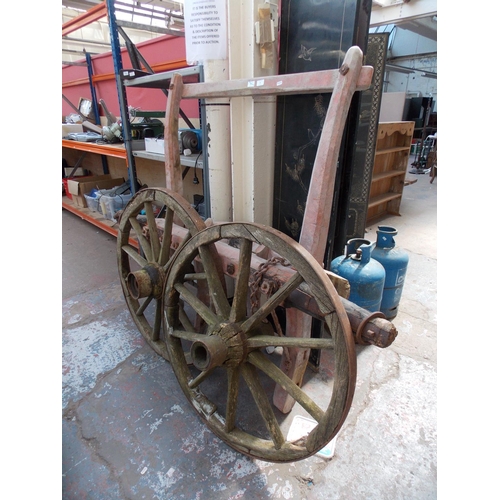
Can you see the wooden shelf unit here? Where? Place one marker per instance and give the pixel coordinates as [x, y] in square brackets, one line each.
[389, 168]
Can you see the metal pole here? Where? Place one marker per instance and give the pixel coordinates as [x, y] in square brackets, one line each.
[122, 95]
[93, 94]
[88, 58]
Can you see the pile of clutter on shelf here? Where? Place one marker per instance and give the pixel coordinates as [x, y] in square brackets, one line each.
[89, 130]
[109, 202]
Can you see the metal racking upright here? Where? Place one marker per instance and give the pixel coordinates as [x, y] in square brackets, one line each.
[149, 80]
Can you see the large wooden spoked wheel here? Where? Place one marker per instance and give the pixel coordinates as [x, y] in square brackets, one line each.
[160, 220]
[231, 381]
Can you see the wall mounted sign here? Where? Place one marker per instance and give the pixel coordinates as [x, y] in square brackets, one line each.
[205, 24]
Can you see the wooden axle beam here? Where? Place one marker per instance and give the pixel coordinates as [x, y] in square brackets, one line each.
[377, 331]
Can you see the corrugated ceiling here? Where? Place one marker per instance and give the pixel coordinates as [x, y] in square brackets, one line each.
[148, 19]
[142, 20]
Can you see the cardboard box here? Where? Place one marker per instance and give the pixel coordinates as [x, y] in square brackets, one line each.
[80, 172]
[79, 188]
[154, 145]
[65, 181]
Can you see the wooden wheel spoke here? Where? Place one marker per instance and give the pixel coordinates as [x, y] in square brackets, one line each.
[195, 277]
[195, 382]
[146, 247]
[185, 335]
[233, 379]
[297, 342]
[205, 312]
[167, 238]
[239, 306]
[217, 292]
[134, 255]
[273, 302]
[153, 230]
[251, 378]
[258, 360]
[155, 335]
[150, 263]
[185, 321]
[143, 307]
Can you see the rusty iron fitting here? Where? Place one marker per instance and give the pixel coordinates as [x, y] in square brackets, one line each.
[362, 326]
[146, 282]
[344, 69]
[209, 353]
[267, 287]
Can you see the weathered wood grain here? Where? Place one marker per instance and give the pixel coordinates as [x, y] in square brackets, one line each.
[173, 171]
[299, 83]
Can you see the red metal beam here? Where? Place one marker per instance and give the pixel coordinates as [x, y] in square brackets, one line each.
[117, 151]
[157, 68]
[92, 15]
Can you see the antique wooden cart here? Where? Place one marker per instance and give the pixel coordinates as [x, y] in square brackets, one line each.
[230, 304]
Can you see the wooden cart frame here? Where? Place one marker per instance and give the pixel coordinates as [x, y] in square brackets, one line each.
[230, 305]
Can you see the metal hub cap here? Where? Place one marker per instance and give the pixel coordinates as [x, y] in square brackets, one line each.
[147, 282]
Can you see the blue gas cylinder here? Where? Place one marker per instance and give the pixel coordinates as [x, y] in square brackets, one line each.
[365, 275]
[395, 262]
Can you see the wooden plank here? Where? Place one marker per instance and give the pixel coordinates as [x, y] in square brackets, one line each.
[383, 198]
[389, 128]
[391, 150]
[272, 340]
[173, 172]
[297, 83]
[314, 232]
[340, 284]
[387, 175]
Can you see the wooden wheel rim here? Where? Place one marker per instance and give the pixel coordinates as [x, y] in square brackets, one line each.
[178, 213]
[276, 449]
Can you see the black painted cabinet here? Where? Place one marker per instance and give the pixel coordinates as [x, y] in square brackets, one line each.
[315, 35]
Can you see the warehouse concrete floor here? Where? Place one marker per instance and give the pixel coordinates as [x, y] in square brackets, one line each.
[129, 433]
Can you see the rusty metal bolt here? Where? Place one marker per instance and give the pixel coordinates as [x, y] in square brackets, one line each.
[344, 69]
[230, 269]
[266, 286]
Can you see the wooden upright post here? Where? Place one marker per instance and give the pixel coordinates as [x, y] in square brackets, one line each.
[314, 233]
